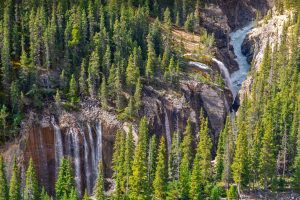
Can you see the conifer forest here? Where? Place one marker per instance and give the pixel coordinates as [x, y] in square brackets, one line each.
[149, 99]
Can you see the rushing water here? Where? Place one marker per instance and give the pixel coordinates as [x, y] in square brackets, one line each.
[84, 147]
[58, 144]
[168, 131]
[237, 38]
[99, 144]
[225, 73]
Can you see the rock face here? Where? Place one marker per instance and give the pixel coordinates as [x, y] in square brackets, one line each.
[49, 136]
[255, 43]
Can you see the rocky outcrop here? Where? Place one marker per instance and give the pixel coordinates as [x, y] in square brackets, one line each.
[80, 133]
[255, 43]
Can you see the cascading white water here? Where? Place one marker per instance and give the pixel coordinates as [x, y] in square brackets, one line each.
[58, 144]
[87, 166]
[225, 73]
[168, 131]
[99, 143]
[76, 156]
[93, 149]
[237, 39]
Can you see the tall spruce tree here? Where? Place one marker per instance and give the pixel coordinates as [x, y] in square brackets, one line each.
[15, 182]
[161, 174]
[185, 164]
[138, 181]
[31, 191]
[65, 181]
[100, 183]
[3, 181]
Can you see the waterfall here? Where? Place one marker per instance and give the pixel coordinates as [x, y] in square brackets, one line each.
[99, 143]
[58, 144]
[225, 73]
[93, 147]
[168, 131]
[76, 155]
[87, 166]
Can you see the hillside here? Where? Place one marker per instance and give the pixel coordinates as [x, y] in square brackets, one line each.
[127, 99]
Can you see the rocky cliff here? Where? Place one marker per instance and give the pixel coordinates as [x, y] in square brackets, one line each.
[46, 137]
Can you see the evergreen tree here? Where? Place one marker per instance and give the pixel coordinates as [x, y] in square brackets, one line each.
[31, 189]
[240, 166]
[83, 79]
[151, 59]
[267, 160]
[65, 181]
[103, 93]
[73, 96]
[129, 153]
[186, 152]
[220, 151]
[15, 182]
[3, 181]
[132, 72]
[228, 154]
[85, 196]
[100, 183]
[118, 163]
[138, 181]
[160, 180]
[44, 195]
[201, 173]
[138, 96]
[152, 158]
[93, 73]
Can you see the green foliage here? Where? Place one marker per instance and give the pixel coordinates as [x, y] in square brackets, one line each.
[65, 181]
[100, 183]
[232, 193]
[184, 168]
[15, 182]
[44, 195]
[73, 94]
[31, 191]
[3, 181]
[139, 181]
[160, 180]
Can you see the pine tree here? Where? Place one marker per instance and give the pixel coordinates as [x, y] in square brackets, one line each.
[160, 180]
[73, 96]
[3, 181]
[65, 180]
[132, 73]
[174, 157]
[220, 151]
[44, 195]
[129, 153]
[118, 164]
[138, 181]
[267, 160]
[31, 189]
[100, 183]
[186, 151]
[152, 158]
[103, 93]
[85, 196]
[202, 169]
[15, 182]
[93, 73]
[228, 154]
[240, 166]
[138, 96]
[83, 78]
[151, 58]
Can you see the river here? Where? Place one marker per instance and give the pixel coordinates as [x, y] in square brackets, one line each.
[239, 76]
